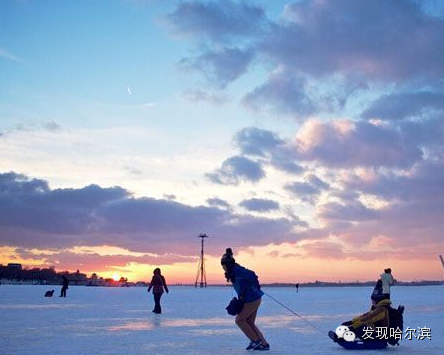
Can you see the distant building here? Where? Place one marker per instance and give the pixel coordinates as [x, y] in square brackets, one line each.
[94, 280]
[77, 278]
[15, 266]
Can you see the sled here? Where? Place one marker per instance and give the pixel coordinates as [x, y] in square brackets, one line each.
[357, 344]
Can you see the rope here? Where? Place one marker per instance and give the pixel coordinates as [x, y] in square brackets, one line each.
[297, 315]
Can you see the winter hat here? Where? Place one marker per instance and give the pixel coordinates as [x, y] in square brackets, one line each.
[227, 258]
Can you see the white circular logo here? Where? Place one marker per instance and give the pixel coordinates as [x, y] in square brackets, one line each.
[349, 336]
[341, 330]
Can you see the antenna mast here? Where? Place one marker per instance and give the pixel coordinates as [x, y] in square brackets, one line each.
[201, 265]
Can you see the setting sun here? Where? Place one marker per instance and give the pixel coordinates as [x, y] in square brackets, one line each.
[116, 277]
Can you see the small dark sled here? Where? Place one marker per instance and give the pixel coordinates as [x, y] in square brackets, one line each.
[357, 344]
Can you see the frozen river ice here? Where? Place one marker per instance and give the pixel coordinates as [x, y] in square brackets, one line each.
[96, 320]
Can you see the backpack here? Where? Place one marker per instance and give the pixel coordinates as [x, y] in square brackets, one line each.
[377, 291]
[396, 320]
[252, 278]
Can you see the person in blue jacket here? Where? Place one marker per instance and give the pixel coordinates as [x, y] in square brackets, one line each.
[246, 285]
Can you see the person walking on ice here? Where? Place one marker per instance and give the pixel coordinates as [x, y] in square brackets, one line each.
[246, 285]
[158, 284]
[65, 283]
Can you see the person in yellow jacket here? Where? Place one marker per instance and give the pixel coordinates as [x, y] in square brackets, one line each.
[369, 327]
[378, 316]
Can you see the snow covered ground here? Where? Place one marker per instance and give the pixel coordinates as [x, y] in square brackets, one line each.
[95, 320]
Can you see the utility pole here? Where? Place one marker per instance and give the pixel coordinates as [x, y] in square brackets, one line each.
[201, 265]
[442, 261]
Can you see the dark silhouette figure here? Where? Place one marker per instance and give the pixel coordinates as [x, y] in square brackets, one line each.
[297, 288]
[387, 281]
[49, 293]
[65, 283]
[246, 284]
[158, 284]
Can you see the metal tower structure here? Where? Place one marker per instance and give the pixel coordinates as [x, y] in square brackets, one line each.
[201, 265]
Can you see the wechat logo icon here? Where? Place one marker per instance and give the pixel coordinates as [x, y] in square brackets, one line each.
[344, 332]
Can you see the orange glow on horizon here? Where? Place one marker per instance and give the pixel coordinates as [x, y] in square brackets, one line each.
[272, 270]
[273, 263]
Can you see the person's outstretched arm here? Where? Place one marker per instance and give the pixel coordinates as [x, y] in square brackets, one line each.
[165, 285]
[151, 284]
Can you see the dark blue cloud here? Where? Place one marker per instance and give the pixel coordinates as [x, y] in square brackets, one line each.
[284, 93]
[257, 142]
[303, 190]
[400, 223]
[259, 205]
[266, 144]
[220, 67]
[406, 105]
[372, 38]
[351, 45]
[424, 183]
[218, 202]
[426, 133]
[316, 182]
[12, 183]
[413, 206]
[237, 169]
[309, 190]
[216, 20]
[347, 144]
[284, 160]
[350, 212]
[32, 215]
[31, 204]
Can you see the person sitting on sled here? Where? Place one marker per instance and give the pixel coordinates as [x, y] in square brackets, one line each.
[377, 316]
[380, 315]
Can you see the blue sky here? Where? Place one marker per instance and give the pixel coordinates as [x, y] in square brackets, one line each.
[303, 132]
[88, 54]
[88, 50]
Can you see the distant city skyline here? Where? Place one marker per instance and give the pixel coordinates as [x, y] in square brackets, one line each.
[306, 135]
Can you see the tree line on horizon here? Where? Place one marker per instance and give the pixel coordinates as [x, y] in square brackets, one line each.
[46, 275]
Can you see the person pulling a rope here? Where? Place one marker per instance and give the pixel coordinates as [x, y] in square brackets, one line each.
[246, 285]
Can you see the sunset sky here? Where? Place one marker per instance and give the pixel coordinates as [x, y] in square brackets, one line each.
[306, 135]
